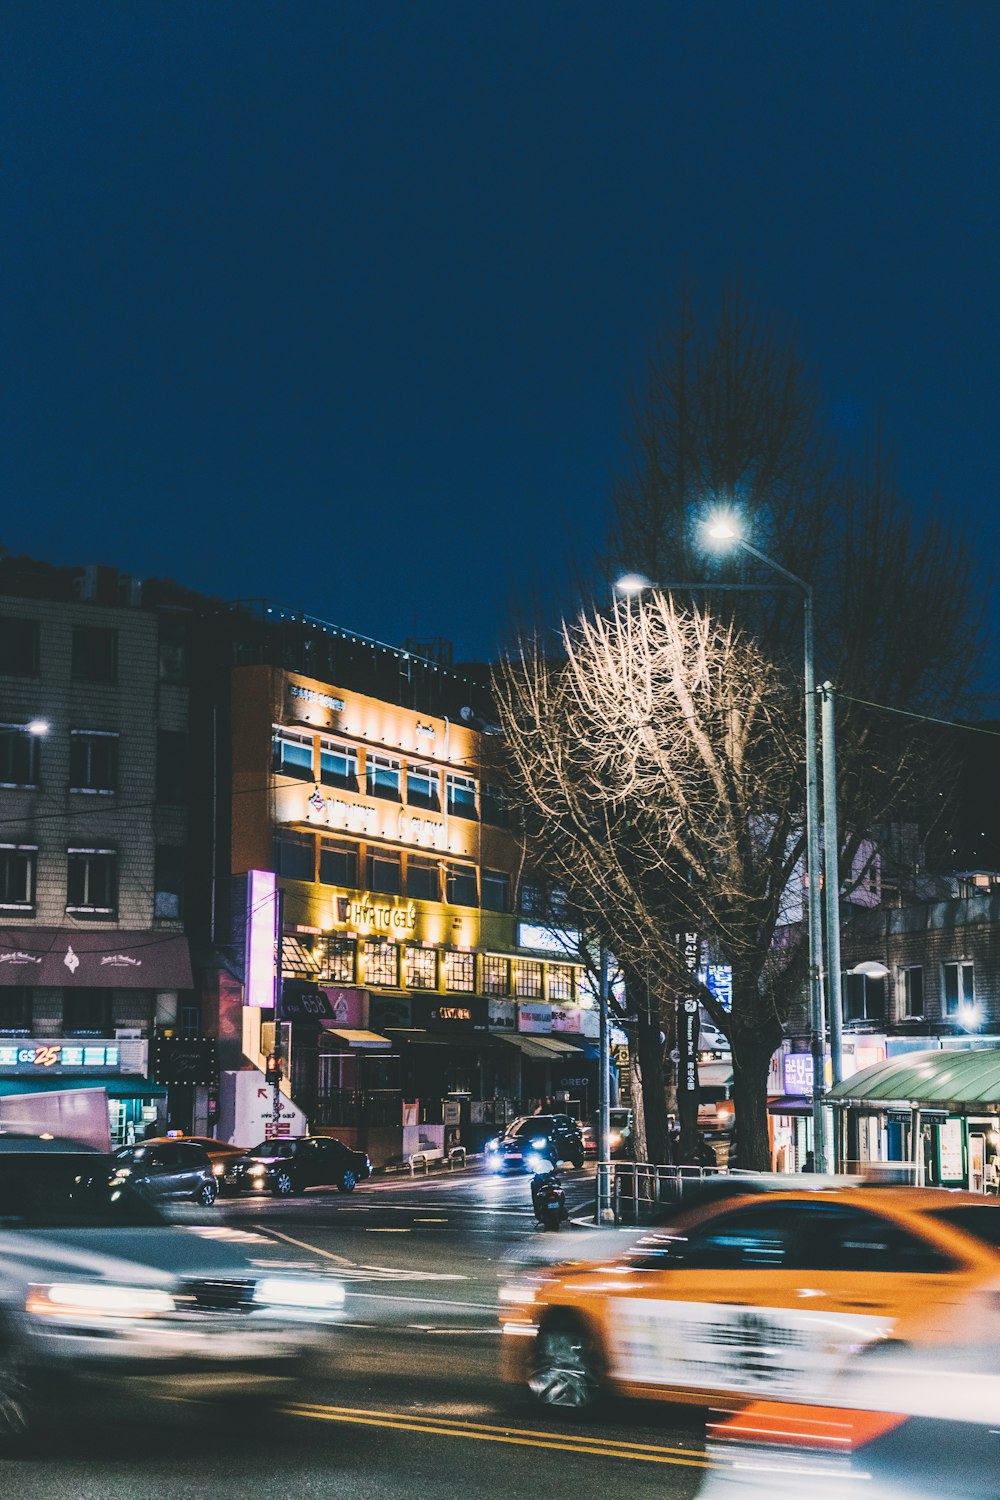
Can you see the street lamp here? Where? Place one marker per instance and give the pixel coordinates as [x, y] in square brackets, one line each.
[723, 529]
[37, 727]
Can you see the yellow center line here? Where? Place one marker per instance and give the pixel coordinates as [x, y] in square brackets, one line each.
[519, 1437]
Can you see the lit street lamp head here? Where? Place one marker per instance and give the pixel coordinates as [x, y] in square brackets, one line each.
[37, 726]
[722, 529]
[631, 584]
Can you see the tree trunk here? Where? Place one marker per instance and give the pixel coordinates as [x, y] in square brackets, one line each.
[650, 1102]
[751, 1058]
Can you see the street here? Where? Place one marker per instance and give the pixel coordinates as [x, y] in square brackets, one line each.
[408, 1403]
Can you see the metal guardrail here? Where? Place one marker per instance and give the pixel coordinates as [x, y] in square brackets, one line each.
[457, 1156]
[632, 1188]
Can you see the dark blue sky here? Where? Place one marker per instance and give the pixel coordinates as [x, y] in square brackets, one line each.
[339, 303]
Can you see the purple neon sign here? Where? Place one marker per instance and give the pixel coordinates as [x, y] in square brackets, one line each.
[262, 909]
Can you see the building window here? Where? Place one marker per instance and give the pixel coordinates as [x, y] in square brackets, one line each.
[959, 989]
[18, 756]
[496, 890]
[382, 777]
[493, 805]
[381, 962]
[92, 882]
[913, 992]
[421, 968]
[93, 761]
[86, 1012]
[171, 767]
[17, 876]
[341, 954]
[382, 872]
[173, 648]
[95, 653]
[496, 975]
[462, 890]
[423, 879]
[338, 765]
[168, 882]
[460, 972]
[560, 982]
[292, 754]
[18, 647]
[338, 863]
[15, 1010]
[461, 796]
[527, 979]
[531, 902]
[864, 998]
[293, 856]
[423, 788]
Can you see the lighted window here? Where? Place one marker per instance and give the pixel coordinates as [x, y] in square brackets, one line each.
[381, 962]
[293, 754]
[496, 975]
[496, 890]
[382, 776]
[338, 765]
[527, 979]
[462, 888]
[461, 796]
[913, 991]
[423, 788]
[17, 876]
[338, 863]
[338, 963]
[423, 879]
[560, 982]
[18, 756]
[92, 882]
[460, 972]
[93, 761]
[382, 872]
[293, 856]
[959, 989]
[421, 968]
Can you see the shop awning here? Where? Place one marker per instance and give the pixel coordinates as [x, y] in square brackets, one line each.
[789, 1104]
[112, 959]
[541, 1048]
[117, 1087]
[952, 1080]
[365, 1040]
[440, 1039]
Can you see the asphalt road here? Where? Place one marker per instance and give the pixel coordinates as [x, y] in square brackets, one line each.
[408, 1403]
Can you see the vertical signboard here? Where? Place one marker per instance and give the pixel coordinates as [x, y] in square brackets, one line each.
[687, 1019]
[261, 938]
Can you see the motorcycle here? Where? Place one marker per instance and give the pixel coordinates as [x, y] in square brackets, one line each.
[548, 1199]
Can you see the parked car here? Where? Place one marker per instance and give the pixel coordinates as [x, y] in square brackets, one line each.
[286, 1167]
[621, 1134]
[165, 1169]
[99, 1292]
[536, 1143]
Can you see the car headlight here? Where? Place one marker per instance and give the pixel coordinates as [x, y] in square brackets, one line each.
[539, 1143]
[299, 1291]
[98, 1300]
[539, 1164]
[493, 1145]
[123, 1172]
[218, 1169]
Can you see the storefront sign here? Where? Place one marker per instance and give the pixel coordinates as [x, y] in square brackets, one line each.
[459, 1014]
[309, 695]
[950, 1145]
[564, 941]
[414, 829]
[261, 938]
[719, 979]
[374, 915]
[799, 1073]
[503, 1015]
[122, 959]
[567, 1018]
[30, 1057]
[537, 1018]
[176, 1060]
[355, 817]
[347, 1007]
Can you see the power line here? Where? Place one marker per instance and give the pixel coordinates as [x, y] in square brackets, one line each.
[907, 713]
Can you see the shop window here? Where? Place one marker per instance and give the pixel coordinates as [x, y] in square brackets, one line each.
[493, 805]
[381, 962]
[382, 872]
[171, 767]
[423, 788]
[864, 998]
[339, 964]
[913, 992]
[496, 890]
[15, 1010]
[293, 856]
[87, 1012]
[496, 975]
[18, 864]
[461, 796]
[168, 882]
[93, 761]
[560, 982]
[421, 968]
[460, 972]
[92, 882]
[338, 765]
[338, 863]
[19, 647]
[527, 979]
[19, 756]
[462, 889]
[382, 777]
[292, 754]
[959, 989]
[95, 653]
[423, 879]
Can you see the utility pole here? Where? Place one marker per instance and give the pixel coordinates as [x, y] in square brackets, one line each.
[831, 862]
[274, 1061]
[605, 1213]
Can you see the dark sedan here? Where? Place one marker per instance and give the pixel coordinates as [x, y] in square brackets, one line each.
[166, 1169]
[286, 1167]
[536, 1143]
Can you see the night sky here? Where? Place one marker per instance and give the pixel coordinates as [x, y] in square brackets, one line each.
[340, 303]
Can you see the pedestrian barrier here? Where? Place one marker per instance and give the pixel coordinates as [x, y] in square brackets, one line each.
[636, 1188]
[457, 1156]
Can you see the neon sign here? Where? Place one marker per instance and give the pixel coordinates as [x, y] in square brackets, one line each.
[57, 1055]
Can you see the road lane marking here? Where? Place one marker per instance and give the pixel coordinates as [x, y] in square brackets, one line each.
[519, 1437]
[340, 1260]
[430, 1221]
[374, 1229]
[443, 1302]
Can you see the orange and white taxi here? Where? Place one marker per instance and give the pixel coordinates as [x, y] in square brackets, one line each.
[766, 1296]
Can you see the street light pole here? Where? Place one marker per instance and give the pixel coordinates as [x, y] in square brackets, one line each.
[831, 867]
[605, 1212]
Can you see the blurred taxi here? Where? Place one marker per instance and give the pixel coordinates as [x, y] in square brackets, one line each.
[760, 1297]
